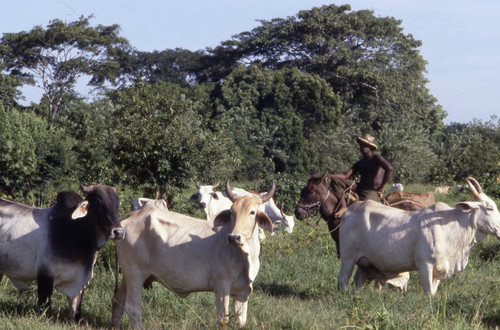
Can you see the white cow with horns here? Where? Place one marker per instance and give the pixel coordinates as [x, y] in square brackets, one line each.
[435, 240]
[213, 202]
[192, 255]
[141, 202]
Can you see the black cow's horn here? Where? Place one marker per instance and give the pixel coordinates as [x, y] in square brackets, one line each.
[86, 189]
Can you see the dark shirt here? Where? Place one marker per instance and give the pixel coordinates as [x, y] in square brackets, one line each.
[372, 171]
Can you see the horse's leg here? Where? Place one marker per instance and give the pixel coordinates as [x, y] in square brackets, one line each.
[333, 227]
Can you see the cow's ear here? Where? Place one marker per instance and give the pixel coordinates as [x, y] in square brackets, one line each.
[222, 218]
[81, 210]
[264, 221]
[194, 197]
[466, 206]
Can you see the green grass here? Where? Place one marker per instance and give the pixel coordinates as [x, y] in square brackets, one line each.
[296, 289]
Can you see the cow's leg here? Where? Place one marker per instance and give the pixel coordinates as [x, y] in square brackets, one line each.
[133, 299]
[359, 277]
[75, 307]
[240, 305]
[427, 278]
[345, 272]
[435, 284]
[222, 304]
[240, 310]
[45, 283]
[118, 306]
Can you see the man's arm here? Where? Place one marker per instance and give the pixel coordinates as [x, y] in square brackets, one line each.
[345, 175]
[388, 171]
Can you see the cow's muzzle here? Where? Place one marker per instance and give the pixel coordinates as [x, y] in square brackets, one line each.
[235, 239]
[117, 233]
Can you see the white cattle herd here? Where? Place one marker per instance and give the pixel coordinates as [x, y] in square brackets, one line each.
[57, 246]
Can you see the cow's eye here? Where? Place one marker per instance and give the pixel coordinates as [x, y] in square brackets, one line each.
[252, 212]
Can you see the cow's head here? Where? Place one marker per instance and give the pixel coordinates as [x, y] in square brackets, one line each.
[245, 216]
[204, 195]
[487, 218]
[101, 205]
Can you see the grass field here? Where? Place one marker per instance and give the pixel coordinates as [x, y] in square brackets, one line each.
[296, 289]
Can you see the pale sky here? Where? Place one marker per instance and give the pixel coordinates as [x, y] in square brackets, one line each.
[460, 38]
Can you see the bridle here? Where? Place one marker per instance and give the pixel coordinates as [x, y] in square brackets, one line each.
[309, 207]
[346, 194]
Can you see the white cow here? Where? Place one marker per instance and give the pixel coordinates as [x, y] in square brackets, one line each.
[435, 240]
[141, 202]
[190, 255]
[397, 187]
[214, 202]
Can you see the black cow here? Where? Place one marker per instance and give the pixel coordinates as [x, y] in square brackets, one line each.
[58, 246]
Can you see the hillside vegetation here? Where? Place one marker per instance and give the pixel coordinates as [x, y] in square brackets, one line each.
[279, 102]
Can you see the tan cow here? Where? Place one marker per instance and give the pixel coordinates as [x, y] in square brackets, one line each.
[191, 255]
[442, 189]
[435, 240]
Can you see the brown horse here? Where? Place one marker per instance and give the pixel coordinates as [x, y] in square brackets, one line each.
[316, 196]
[332, 202]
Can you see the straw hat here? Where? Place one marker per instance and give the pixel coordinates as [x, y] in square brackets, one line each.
[367, 140]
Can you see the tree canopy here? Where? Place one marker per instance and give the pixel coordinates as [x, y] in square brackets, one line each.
[279, 102]
[56, 57]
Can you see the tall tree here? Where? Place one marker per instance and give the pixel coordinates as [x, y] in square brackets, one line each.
[271, 115]
[176, 66]
[56, 57]
[33, 158]
[9, 87]
[375, 68]
[472, 149]
[161, 143]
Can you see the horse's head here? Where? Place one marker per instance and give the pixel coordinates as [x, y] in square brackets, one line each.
[313, 195]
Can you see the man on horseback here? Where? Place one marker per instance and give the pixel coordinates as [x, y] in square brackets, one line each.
[374, 170]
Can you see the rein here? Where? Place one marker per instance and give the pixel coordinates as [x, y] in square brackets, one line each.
[346, 194]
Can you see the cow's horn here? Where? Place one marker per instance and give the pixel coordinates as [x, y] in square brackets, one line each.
[474, 187]
[216, 185]
[197, 184]
[281, 210]
[478, 186]
[267, 196]
[230, 193]
[86, 189]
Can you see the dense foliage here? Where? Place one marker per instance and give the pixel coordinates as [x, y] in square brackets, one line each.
[278, 102]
